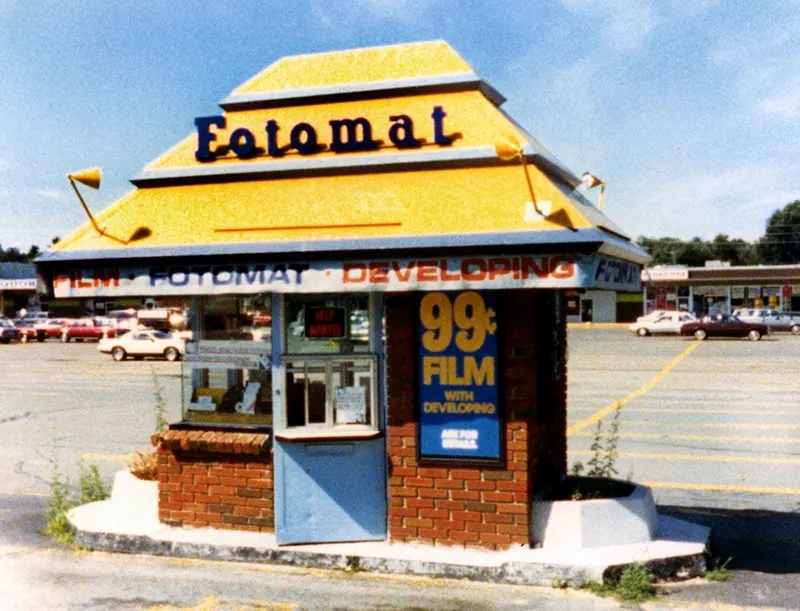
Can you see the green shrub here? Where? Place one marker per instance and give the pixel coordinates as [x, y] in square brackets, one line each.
[635, 583]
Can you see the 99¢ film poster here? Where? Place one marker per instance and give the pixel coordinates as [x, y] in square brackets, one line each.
[458, 375]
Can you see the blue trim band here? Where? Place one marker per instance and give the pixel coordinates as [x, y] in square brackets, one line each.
[443, 83]
[599, 240]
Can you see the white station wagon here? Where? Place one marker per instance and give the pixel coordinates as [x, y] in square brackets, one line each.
[665, 322]
[141, 343]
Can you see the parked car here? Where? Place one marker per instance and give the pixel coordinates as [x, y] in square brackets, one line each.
[27, 332]
[774, 319]
[724, 325]
[666, 322]
[139, 344]
[86, 328]
[8, 331]
[50, 328]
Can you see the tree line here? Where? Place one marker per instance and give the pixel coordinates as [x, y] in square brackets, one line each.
[780, 245]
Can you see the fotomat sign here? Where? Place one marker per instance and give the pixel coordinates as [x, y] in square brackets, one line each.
[427, 274]
[344, 135]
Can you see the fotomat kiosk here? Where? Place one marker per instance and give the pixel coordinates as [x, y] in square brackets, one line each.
[372, 256]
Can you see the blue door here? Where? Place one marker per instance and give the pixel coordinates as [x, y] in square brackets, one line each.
[329, 487]
[328, 491]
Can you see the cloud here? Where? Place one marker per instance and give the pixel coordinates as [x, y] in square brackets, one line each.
[406, 11]
[622, 24]
[50, 194]
[736, 201]
[782, 104]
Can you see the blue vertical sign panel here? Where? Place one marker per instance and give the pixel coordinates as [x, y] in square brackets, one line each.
[458, 376]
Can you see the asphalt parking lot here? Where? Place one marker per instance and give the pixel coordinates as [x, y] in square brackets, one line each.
[713, 427]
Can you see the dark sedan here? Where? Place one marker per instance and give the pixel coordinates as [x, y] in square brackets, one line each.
[8, 331]
[724, 325]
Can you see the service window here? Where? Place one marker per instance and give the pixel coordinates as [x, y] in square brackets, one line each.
[330, 366]
[228, 362]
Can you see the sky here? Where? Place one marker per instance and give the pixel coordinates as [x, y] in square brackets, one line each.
[689, 110]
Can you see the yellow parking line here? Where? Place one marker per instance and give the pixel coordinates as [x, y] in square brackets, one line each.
[696, 437]
[106, 457]
[681, 410]
[637, 393]
[724, 425]
[721, 488]
[696, 457]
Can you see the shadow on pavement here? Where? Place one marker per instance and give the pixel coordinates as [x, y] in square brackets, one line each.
[755, 540]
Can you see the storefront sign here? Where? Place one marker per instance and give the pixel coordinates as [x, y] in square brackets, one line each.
[25, 284]
[227, 354]
[664, 274]
[346, 135]
[451, 273]
[458, 376]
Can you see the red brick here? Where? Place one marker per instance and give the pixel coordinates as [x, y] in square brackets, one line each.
[467, 516]
[478, 485]
[457, 535]
[250, 512]
[426, 503]
[491, 476]
[404, 471]
[403, 512]
[497, 497]
[206, 498]
[450, 505]
[465, 474]
[512, 486]
[512, 529]
[403, 532]
[419, 522]
[222, 490]
[196, 488]
[432, 472]
[441, 514]
[496, 539]
[260, 483]
[480, 527]
[419, 482]
[433, 533]
[498, 518]
[512, 508]
[401, 491]
[454, 484]
[433, 493]
[205, 479]
[464, 495]
[449, 524]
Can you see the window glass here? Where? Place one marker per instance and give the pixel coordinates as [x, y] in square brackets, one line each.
[227, 366]
[327, 324]
[331, 392]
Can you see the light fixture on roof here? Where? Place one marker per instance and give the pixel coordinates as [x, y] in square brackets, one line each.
[508, 148]
[91, 178]
[590, 181]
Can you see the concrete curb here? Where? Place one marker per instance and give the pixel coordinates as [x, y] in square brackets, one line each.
[507, 570]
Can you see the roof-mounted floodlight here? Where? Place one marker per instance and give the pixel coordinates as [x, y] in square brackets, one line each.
[590, 181]
[91, 178]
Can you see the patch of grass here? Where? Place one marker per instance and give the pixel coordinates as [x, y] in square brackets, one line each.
[635, 584]
[718, 572]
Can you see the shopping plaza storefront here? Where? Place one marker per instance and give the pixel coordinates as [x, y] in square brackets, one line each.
[721, 288]
[374, 259]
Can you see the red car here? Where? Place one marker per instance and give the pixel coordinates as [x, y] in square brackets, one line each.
[724, 325]
[50, 328]
[86, 328]
[26, 330]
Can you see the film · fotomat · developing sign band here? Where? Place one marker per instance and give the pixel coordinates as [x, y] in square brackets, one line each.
[451, 273]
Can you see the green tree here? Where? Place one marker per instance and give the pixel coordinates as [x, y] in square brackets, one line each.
[781, 241]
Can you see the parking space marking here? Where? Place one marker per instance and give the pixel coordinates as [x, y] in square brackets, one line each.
[635, 394]
[696, 437]
[723, 488]
[106, 457]
[696, 457]
[682, 410]
[728, 425]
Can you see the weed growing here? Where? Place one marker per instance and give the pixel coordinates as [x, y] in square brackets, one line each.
[635, 584]
[718, 572]
[90, 489]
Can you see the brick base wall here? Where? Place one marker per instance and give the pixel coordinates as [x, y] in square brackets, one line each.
[487, 507]
[224, 480]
